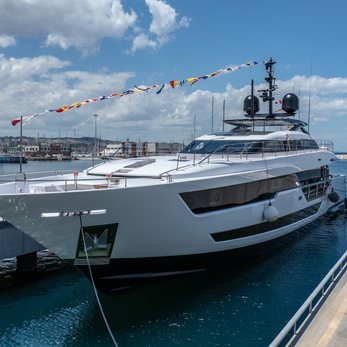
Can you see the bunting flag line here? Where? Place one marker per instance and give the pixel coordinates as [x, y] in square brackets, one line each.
[26, 119]
[138, 89]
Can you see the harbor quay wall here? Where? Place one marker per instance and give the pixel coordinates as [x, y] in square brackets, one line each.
[13, 242]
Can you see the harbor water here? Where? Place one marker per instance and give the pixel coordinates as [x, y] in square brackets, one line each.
[244, 303]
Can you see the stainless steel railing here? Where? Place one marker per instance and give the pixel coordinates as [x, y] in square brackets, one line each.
[315, 190]
[56, 181]
[292, 329]
[260, 149]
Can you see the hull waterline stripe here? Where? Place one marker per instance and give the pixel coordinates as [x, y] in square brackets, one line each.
[153, 274]
[267, 226]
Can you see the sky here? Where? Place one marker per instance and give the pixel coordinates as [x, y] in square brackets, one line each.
[58, 52]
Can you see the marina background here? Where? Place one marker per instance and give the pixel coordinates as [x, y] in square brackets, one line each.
[242, 304]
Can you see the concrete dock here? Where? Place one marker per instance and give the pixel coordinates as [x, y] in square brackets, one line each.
[329, 326]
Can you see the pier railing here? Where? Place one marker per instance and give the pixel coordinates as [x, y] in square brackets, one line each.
[297, 324]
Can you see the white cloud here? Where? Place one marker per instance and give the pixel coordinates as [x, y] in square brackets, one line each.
[45, 82]
[142, 41]
[13, 69]
[317, 84]
[66, 23]
[82, 25]
[6, 41]
[164, 24]
[164, 20]
[32, 85]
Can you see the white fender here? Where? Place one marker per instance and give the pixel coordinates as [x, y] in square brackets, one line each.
[271, 213]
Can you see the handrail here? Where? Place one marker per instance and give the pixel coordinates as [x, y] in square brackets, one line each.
[308, 304]
[193, 164]
[265, 151]
[103, 178]
[10, 177]
[214, 152]
[60, 172]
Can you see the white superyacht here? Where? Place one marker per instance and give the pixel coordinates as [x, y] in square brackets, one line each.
[225, 194]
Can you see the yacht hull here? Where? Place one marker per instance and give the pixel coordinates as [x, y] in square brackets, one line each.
[122, 274]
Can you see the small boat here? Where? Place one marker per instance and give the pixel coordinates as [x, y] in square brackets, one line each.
[11, 158]
[227, 194]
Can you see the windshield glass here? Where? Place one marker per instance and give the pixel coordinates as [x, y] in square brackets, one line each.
[208, 147]
[249, 147]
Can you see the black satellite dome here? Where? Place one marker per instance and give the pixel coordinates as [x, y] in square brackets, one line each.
[290, 103]
[247, 104]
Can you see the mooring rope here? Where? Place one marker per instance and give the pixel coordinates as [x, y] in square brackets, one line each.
[94, 287]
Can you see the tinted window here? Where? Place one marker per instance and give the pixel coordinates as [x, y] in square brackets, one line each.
[209, 147]
[247, 147]
[212, 199]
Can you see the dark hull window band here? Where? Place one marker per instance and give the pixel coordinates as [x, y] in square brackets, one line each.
[262, 197]
[267, 226]
[313, 176]
[207, 200]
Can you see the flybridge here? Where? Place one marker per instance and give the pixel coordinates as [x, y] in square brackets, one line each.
[267, 122]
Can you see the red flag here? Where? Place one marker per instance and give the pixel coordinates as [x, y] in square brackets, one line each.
[15, 121]
[174, 83]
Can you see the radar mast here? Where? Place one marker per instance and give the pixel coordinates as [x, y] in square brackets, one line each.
[266, 94]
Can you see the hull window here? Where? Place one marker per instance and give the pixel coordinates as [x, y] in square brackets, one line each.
[314, 184]
[267, 226]
[240, 194]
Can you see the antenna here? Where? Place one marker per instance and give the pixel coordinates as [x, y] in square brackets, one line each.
[252, 98]
[95, 138]
[299, 115]
[21, 145]
[194, 124]
[212, 113]
[309, 99]
[270, 79]
[223, 113]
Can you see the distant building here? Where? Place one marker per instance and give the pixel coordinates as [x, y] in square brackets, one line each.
[162, 148]
[31, 150]
[54, 149]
